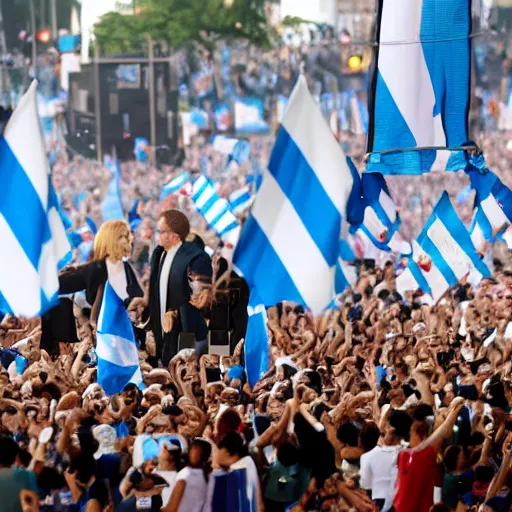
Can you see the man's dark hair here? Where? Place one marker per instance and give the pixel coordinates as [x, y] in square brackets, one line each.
[85, 467]
[369, 436]
[177, 222]
[234, 444]
[287, 454]
[8, 451]
[401, 422]
[348, 433]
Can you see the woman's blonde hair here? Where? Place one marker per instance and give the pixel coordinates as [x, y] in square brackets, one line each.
[106, 240]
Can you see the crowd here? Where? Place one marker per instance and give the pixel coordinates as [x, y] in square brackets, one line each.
[382, 403]
[385, 401]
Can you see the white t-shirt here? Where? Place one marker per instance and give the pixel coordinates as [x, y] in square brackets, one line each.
[170, 478]
[194, 497]
[379, 471]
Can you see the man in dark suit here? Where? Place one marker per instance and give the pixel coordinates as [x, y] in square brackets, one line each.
[177, 268]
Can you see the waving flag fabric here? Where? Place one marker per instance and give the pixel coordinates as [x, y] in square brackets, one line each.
[346, 273]
[240, 200]
[493, 207]
[215, 210]
[293, 230]
[420, 91]
[442, 254]
[175, 185]
[112, 207]
[30, 226]
[381, 219]
[61, 240]
[118, 360]
[238, 150]
[292, 233]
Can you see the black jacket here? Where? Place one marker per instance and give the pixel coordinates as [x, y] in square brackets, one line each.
[59, 323]
[190, 259]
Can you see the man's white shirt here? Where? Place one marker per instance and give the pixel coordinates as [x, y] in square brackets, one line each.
[164, 278]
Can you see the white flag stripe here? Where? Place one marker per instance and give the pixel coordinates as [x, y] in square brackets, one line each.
[388, 205]
[372, 222]
[450, 250]
[215, 210]
[493, 212]
[224, 222]
[319, 147]
[18, 287]
[47, 269]
[435, 279]
[406, 282]
[275, 214]
[117, 350]
[205, 196]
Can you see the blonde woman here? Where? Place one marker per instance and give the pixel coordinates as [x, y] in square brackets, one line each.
[112, 248]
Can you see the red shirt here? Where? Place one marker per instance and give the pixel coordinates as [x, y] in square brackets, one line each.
[417, 472]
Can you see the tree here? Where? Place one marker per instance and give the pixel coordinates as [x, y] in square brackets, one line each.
[179, 22]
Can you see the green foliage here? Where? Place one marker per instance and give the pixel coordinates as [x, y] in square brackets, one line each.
[117, 33]
[294, 21]
[179, 22]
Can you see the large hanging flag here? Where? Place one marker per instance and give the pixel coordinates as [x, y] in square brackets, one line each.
[118, 359]
[381, 219]
[112, 206]
[30, 226]
[442, 254]
[215, 210]
[174, 185]
[493, 207]
[420, 91]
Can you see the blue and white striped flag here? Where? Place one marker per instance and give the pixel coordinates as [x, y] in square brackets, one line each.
[215, 210]
[238, 150]
[442, 254]
[31, 231]
[420, 91]
[174, 185]
[381, 219]
[118, 359]
[112, 206]
[493, 207]
[240, 200]
[294, 227]
[292, 233]
[60, 237]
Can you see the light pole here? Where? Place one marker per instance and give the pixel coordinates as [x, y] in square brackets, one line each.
[54, 20]
[34, 31]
